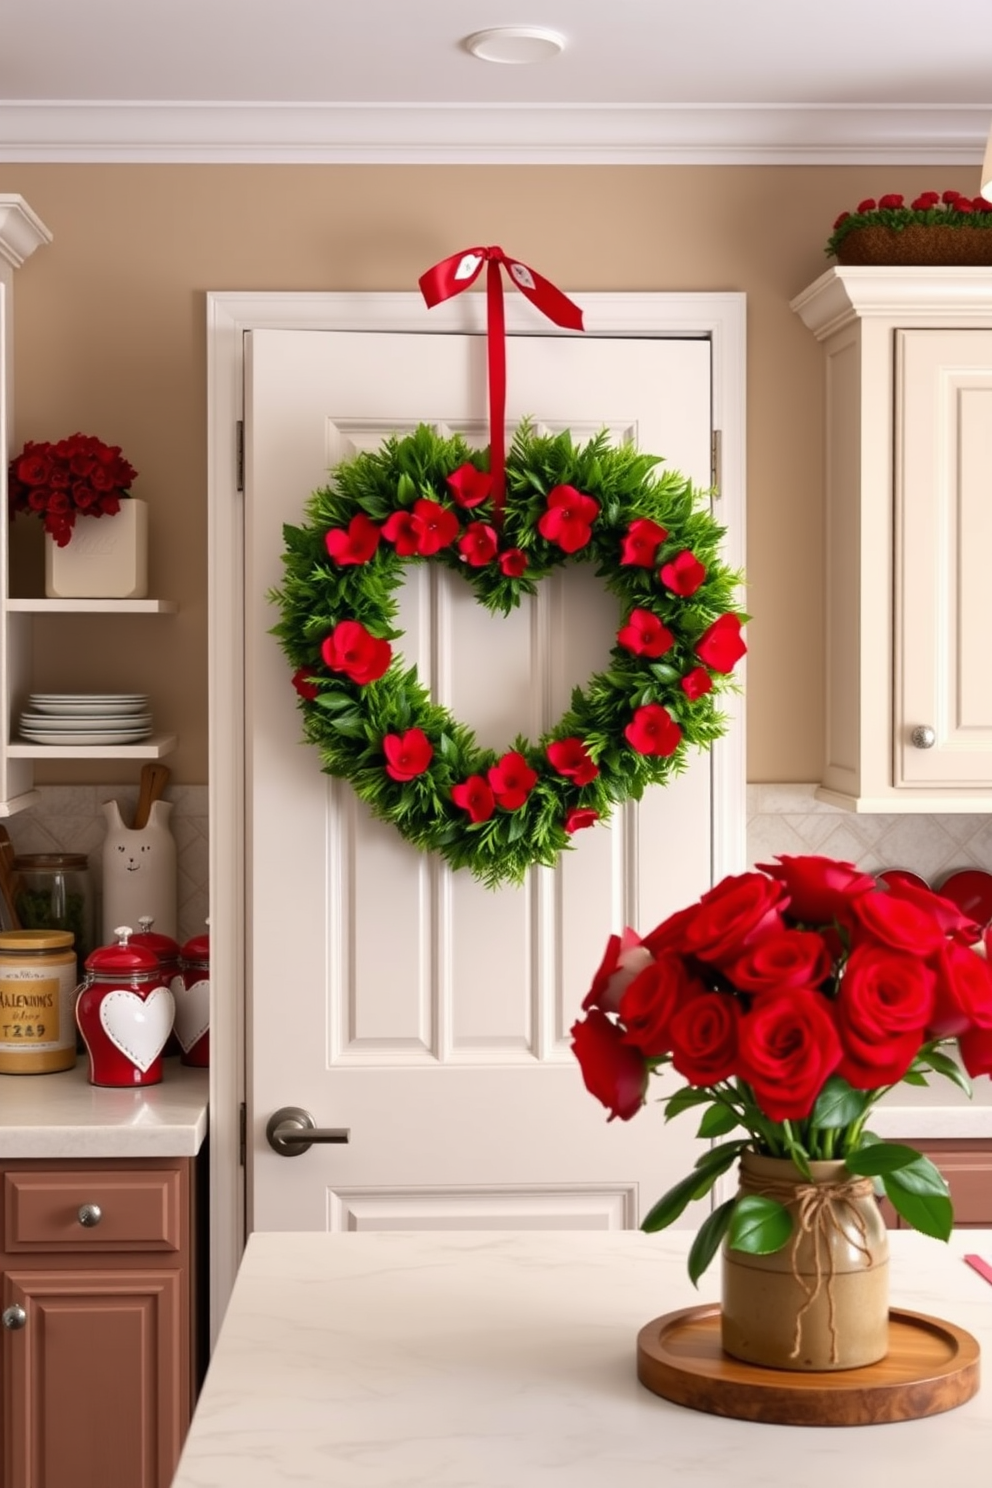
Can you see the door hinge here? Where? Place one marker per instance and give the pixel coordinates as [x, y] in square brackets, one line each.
[242, 1134]
[240, 452]
[716, 460]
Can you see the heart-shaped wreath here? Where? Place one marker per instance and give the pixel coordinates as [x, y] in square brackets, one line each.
[427, 498]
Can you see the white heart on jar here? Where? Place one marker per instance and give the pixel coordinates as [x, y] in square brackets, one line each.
[192, 1013]
[138, 1026]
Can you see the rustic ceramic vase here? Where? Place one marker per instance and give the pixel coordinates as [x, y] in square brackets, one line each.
[822, 1301]
[105, 558]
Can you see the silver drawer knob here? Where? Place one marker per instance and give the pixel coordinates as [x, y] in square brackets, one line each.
[923, 736]
[14, 1318]
[89, 1215]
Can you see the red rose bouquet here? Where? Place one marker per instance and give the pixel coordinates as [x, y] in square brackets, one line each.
[790, 1000]
[78, 475]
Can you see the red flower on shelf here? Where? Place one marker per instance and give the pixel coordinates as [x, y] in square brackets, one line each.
[78, 476]
[351, 649]
[569, 518]
[790, 999]
[407, 755]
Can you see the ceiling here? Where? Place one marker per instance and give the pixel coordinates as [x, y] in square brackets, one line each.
[641, 81]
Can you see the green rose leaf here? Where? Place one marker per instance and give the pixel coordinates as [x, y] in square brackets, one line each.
[758, 1225]
[709, 1238]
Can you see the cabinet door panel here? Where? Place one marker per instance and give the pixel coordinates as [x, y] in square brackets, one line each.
[96, 1384]
[943, 535]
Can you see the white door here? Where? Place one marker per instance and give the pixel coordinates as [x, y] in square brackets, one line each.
[387, 995]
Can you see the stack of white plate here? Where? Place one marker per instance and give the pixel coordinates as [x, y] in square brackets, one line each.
[86, 718]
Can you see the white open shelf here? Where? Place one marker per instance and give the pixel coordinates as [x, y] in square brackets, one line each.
[154, 748]
[93, 606]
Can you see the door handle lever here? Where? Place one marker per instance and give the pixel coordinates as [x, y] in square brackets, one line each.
[291, 1131]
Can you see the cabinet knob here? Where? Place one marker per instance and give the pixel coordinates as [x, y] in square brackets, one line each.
[14, 1318]
[923, 736]
[89, 1215]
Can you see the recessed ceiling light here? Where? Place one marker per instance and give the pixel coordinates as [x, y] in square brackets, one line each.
[518, 44]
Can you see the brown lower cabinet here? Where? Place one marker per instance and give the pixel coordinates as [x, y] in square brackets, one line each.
[967, 1167]
[98, 1295]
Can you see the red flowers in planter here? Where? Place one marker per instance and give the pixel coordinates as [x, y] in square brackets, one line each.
[78, 476]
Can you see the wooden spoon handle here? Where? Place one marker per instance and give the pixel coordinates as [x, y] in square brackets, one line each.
[154, 779]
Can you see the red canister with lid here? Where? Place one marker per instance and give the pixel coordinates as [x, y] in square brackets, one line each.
[167, 951]
[124, 1013]
[193, 1002]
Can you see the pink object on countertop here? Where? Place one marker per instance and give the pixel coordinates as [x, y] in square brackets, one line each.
[984, 1268]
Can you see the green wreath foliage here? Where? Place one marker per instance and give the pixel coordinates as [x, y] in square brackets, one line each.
[350, 720]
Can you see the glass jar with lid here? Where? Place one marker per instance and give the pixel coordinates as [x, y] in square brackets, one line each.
[54, 891]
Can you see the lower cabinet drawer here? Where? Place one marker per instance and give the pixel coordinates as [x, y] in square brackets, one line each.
[92, 1211]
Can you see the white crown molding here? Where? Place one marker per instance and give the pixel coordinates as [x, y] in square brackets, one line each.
[628, 134]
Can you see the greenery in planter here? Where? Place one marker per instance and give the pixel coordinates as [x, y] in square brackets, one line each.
[929, 209]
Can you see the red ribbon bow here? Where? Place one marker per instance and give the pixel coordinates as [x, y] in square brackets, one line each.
[454, 274]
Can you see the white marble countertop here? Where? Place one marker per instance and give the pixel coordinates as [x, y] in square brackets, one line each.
[498, 1360]
[63, 1115]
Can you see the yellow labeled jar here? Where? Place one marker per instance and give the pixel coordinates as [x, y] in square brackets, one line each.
[37, 1002]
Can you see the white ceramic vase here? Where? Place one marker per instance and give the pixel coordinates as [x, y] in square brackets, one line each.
[139, 872]
[105, 558]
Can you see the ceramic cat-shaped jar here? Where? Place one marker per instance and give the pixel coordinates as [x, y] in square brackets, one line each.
[124, 1013]
[139, 871]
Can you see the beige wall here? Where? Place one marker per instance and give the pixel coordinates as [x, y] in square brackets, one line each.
[110, 340]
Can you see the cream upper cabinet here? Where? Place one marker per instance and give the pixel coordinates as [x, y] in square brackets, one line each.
[908, 536]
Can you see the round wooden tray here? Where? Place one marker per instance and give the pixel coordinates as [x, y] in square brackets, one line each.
[931, 1366]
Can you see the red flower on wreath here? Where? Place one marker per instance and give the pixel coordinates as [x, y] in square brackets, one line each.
[641, 542]
[683, 575]
[423, 530]
[645, 635]
[355, 543]
[470, 487]
[722, 645]
[569, 518]
[351, 649]
[513, 563]
[304, 684]
[407, 755]
[475, 796]
[578, 817]
[478, 544]
[572, 759]
[696, 683]
[653, 730]
[512, 780]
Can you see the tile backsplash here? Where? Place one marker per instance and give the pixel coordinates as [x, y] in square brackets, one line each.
[69, 818]
[780, 819]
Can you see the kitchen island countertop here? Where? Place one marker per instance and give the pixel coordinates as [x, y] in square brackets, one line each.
[507, 1360]
[63, 1116]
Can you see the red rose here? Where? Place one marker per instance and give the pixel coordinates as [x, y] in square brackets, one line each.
[670, 934]
[611, 1070]
[304, 684]
[578, 817]
[842, 218]
[953, 923]
[511, 780]
[786, 958]
[925, 201]
[732, 914]
[649, 1003]
[356, 544]
[722, 645]
[571, 758]
[350, 649]
[950, 197]
[981, 205]
[625, 958]
[893, 199]
[882, 1013]
[976, 1051]
[407, 755]
[645, 635]
[641, 542]
[897, 923]
[964, 991]
[470, 487]
[868, 205]
[788, 1046]
[697, 683]
[474, 796]
[819, 889]
[513, 562]
[478, 544]
[704, 1038]
[683, 575]
[963, 205]
[653, 730]
[569, 518]
[34, 465]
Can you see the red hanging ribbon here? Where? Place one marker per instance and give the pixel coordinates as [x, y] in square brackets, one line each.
[450, 277]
